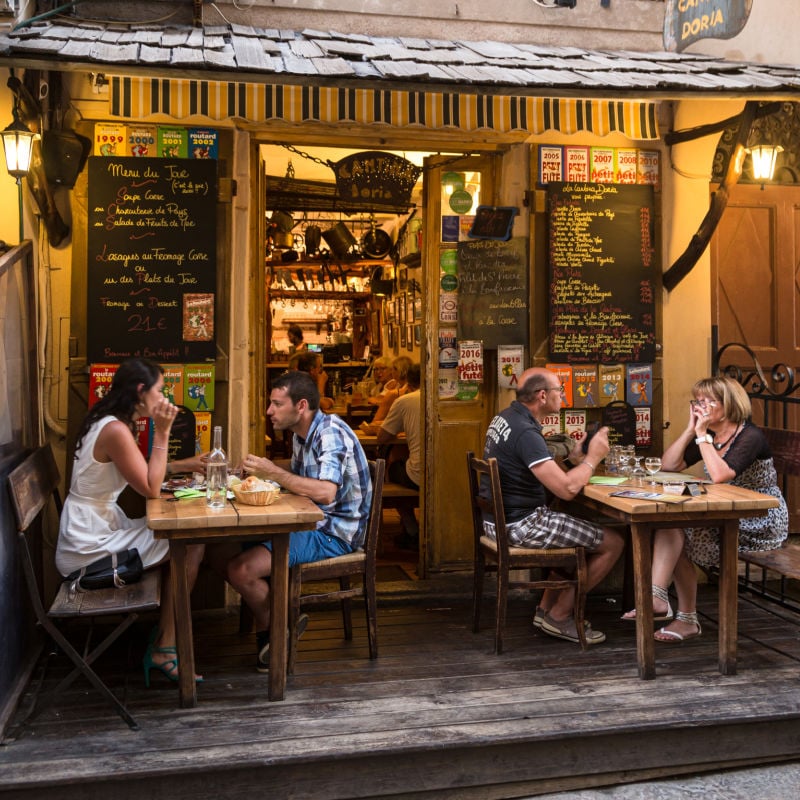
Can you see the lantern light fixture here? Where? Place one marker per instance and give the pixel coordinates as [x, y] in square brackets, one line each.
[18, 146]
[763, 158]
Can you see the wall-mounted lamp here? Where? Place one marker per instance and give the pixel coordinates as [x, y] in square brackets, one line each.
[763, 157]
[18, 147]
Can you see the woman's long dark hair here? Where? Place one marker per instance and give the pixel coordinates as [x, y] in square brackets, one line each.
[123, 396]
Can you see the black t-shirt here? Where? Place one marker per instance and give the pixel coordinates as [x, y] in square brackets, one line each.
[515, 439]
[749, 445]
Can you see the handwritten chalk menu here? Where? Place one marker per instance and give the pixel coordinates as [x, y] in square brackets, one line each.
[493, 291]
[151, 259]
[602, 272]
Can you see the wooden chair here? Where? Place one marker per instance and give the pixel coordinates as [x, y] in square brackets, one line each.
[31, 485]
[498, 556]
[342, 568]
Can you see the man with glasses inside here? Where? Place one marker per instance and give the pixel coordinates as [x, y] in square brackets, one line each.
[527, 472]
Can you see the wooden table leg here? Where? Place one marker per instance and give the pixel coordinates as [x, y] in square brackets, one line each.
[279, 616]
[728, 596]
[643, 590]
[187, 688]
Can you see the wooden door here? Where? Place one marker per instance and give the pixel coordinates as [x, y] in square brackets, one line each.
[451, 426]
[754, 289]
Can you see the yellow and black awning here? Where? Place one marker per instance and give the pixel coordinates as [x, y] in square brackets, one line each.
[139, 98]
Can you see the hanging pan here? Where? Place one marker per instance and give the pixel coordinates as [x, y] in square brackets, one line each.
[339, 239]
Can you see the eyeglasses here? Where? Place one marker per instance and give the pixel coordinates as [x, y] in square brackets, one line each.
[554, 388]
[704, 402]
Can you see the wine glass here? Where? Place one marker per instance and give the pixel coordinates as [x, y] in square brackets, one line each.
[652, 464]
[637, 473]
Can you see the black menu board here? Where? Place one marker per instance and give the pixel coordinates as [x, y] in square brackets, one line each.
[493, 291]
[602, 272]
[151, 259]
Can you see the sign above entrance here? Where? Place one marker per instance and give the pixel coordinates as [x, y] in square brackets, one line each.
[375, 177]
[686, 21]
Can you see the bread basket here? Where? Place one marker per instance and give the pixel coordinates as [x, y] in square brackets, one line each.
[257, 497]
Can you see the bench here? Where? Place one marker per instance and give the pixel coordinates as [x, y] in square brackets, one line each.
[32, 485]
[785, 561]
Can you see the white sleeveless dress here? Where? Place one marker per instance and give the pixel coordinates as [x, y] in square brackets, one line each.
[92, 524]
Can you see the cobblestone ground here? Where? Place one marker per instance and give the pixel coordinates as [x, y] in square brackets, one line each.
[780, 782]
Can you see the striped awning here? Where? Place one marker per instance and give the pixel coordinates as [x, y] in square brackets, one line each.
[139, 98]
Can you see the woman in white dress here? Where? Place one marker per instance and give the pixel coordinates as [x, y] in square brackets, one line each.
[107, 459]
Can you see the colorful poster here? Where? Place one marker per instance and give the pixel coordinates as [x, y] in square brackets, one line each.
[509, 365]
[551, 423]
[202, 143]
[575, 424]
[448, 307]
[627, 163]
[639, 384]
[109, 139]
[198, 387]
[470, 361]
[202, 422]
[611, 380]
[647, 167]
[173, 383]
[198, 317]
[144, 437]
[564, 374]
[602, 165]
[584, 386]
[173, 142]
[142, 141]
[448, 348]
[100, 377]
[644, 427]
[551, 163]
[576, 163]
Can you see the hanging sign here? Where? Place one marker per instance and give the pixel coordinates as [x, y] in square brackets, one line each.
[375, 176]
[686, 21]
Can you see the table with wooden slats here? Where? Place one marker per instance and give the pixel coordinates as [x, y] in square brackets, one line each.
[185, 522]
[722, 506]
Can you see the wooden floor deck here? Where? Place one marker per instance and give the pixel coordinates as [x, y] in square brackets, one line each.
[437, 715]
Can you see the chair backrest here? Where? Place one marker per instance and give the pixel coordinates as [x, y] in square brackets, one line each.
[491, 505]
[377, 472]
[31, 485]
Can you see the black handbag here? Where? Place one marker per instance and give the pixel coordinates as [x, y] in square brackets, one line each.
[117, 570]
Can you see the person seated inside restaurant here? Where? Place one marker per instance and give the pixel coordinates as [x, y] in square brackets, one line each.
[719, 433]
[380, 374]
[394, 388]
[329, 466]
[296, 343]
[312, 364]
[527, 472]
[405, 417]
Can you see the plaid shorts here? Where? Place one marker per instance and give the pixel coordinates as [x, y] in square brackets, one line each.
[546, 528]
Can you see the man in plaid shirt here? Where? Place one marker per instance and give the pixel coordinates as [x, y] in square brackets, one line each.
[329, 466]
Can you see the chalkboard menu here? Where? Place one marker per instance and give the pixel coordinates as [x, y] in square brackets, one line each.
[151, 259]
[493, 291]
[602, 272]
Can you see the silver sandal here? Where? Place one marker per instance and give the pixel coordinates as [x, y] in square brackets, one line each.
[660, 593]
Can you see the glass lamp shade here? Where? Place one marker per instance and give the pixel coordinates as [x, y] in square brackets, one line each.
[764, 157]
[18, 146]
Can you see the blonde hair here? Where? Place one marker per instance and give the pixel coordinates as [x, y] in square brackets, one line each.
[735, 403]
[401, 364]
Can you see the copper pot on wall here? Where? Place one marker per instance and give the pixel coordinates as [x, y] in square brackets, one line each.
[283, 221]
[376, 243]
[339, 239]
[280, 239]
[313, 236]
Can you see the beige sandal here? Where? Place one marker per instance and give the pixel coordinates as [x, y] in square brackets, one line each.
[673, 637]
[660, 593]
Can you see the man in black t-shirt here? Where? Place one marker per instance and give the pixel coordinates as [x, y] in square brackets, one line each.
[527, 472]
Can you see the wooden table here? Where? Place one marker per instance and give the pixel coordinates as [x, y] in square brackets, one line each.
[722, 506]
[185, 522]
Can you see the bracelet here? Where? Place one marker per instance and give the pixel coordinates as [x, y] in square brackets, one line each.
[158, 447]
[589, 464]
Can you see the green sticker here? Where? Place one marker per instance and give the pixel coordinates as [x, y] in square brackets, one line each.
[455, 180]
[449, 283]
[448, 261]
[461, 201]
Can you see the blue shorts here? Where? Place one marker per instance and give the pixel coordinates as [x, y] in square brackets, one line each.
[307, 546]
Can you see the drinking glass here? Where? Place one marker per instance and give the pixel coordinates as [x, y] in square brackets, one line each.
[625, 460]
[652, 464]
[637, 473]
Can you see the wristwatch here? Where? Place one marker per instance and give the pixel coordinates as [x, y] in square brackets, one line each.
[707, 438]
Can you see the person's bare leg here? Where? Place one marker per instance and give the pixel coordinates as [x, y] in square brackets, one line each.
[686, 588]
[246, 573]
[598, 564]
[667, 549]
